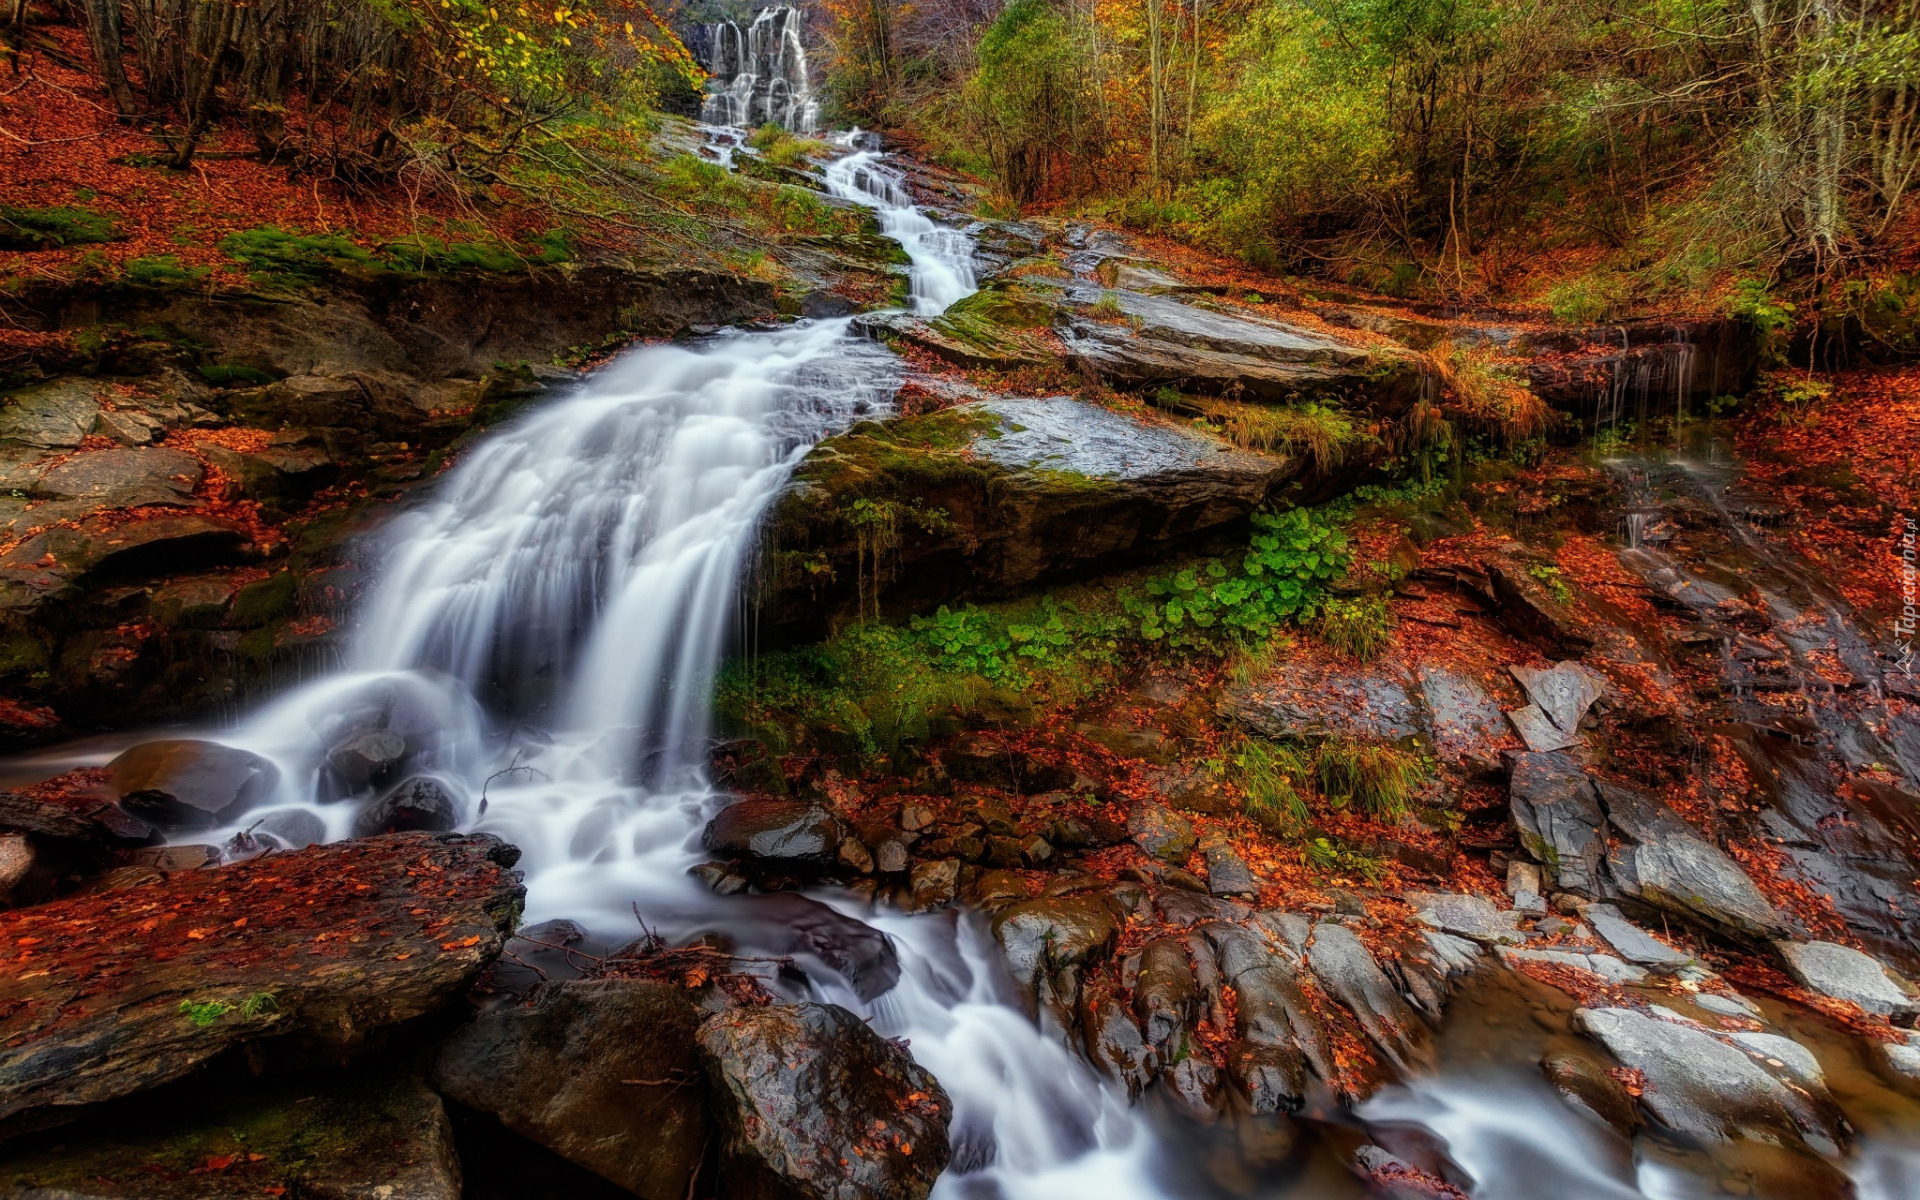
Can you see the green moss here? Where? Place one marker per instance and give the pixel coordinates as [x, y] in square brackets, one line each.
[51, 228]
[233, 375]
[276, 258]
[161, 271]
[263, 601]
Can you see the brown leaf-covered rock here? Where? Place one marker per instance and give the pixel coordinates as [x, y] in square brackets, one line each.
[108, 994]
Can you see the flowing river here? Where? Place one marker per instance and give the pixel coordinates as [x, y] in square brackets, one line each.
[547, 627]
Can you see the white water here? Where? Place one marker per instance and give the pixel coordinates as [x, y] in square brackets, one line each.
[760, 74]
[581, 569]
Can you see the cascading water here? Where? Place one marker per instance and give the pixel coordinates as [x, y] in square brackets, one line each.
[579, 571]
[759, 74]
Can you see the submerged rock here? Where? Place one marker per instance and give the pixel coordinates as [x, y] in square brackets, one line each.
[109, 994]
[814, 1104]
[603, 1072]
[187, 784]
[1587, 1088]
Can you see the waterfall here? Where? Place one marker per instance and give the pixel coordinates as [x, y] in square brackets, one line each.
[759, 74]
[578, 572]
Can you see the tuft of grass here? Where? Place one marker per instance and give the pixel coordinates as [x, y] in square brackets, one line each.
[1359, 628]
[1379, 778]
[1494, 397]
[1321, 432]
[1584, 299]
[1107, 308]
[260, 1004]
[1271, 776]
[51, 228]
[782, 148]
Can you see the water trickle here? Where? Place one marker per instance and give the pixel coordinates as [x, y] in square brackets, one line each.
[759, 73]
[942, 256]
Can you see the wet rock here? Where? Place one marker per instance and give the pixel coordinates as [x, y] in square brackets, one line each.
[1902, 1059]
[1467, 724]
[934, 884]
[1272, 1008]
[855, 856]
[52, 416]
[1114, 1044]
[859, 953]
[276, 473]
[1227, 873]
[367, 757]
[603, 1072]
[983, 758]
[1049, 939]
[1394, 1178]
[106, 995]
[1846, 974]
[371, 1135]
[1193, 1084]
[1539, 732]
[1167, 342]
[1086, 833]
[1469, 916]
[1527, 609]
[1161, 832]
[187, 784]
[1562, 694]
[720, 878]
[814, 1104]
[41, 565]
[198, 603]
[130, 427]
[1031, 490]
[1351, 975]
[916, 817]
[1191, 789]
[746, 765]
[422, 802]
[1587, 1088]
[1661, 861]
[994, 889]
[1698, 1084]
[771, 832]
[1635, 944]
[1190, 907]
[1604, 966]
[290, 828]
[1165, 994]
[26, 875]
[1303, 699]
[1560, 822]
[1272, 1078]
[124, 478]
[81, 820]
[1426, 967]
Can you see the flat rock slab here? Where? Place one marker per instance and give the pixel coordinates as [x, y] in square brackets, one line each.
[52, 416]
[1846, 974]
[1467, 725]
[1563, 693]
[1469, 916]
[106, 995]
[124, 478]
[380, 1135]
[1660, 860]
[1635, 944]
[1304, 699]
[1059, 433]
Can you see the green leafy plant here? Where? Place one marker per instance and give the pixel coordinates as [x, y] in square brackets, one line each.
[203, 1013]
[1271, 776]
[1586, 298]
[1554, 580]
[1212, 606]
[1772, 319]
[258, 1005]
[1332, 857]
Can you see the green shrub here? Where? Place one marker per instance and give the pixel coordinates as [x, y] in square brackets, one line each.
[1772, 319]
[51, 228]
[1359, 628]
[1379, 778]
[1585, 299]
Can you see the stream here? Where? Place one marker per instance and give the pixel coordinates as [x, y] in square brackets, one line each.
[546, 628]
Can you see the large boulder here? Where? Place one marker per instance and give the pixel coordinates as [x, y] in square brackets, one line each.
[182, 783]
[775, 833]
[1698, 1084]
[1048, 942]
[1557, 814]
[372, 1135]
[1306, 698]
[993, 497]
[814, 1104]
[603, 1072]
[110, 993]
[422, 802]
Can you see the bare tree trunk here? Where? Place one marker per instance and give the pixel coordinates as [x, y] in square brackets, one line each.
[1156, 92]
[213, 30]
[103, 28]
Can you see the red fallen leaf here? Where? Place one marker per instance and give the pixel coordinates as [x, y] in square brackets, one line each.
[275, 1191]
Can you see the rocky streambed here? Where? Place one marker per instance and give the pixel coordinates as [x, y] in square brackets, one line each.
[1639, 921]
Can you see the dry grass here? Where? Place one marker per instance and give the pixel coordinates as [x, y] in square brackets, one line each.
[1489, 394]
